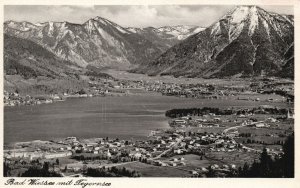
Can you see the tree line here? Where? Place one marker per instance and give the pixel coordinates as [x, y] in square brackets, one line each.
[180, 112]
[111, 172]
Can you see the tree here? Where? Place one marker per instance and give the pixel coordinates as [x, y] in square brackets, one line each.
[57, 161]
[6, 169]
[35, 171]
[288, 159]
[66, 168]
[265, 161]
[81, 92]
[46, 166]
[266, 167]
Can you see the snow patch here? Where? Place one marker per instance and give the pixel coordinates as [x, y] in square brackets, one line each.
[39, 24]
[239, 14]
[253, 21]
[90, 26]
[199, 29]
[108, 38]
[51, 29]
[267, 28]
[103, 22]
[121, 29]
[215, 29]
[133, 30]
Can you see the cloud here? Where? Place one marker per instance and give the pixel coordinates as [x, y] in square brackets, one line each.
[127, 15]
[143, 16]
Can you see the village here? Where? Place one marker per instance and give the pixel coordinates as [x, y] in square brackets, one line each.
[197, 142]
[270, 90]
[193, 146]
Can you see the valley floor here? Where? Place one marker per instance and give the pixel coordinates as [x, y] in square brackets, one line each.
[199, 141]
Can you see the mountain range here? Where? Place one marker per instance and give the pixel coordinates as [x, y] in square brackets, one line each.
[246, 41]
[98, 42]
[167, 36]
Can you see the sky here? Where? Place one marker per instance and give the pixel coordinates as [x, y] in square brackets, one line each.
[127, 15]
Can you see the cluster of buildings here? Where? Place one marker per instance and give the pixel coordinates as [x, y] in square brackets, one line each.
[165, 148]
[208, 91]
[15, 99]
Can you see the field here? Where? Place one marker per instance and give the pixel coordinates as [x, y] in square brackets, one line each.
[235, 157]
[170, 79]
[156, 171]
[192, 162]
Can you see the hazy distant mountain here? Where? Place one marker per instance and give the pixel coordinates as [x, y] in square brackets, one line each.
[167, 36]
[98, 42]
[246, 41]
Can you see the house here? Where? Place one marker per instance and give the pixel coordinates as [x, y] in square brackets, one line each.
[215, 166]
[272, 120]
[217, 119]
[197, 145]
[290, 115]
[259, 124]
[137, 155]
[233, 166]
[108, 154]
[180, 122]
[173, 164]
[178, 151]
[204, 169]
[225, 166]
[194, 172]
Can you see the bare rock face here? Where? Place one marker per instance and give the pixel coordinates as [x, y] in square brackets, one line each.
[247, 41]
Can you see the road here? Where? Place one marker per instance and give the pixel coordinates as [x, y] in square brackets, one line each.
[166, 151]
[235, 127]
[116, 164]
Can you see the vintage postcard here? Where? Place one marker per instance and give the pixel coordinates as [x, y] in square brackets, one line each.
[153, 94]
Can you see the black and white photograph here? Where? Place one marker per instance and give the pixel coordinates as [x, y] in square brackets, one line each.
[159, 90]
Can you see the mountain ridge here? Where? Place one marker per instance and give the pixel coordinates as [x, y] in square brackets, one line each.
[247, 40]
[167, 36]
[97, 41]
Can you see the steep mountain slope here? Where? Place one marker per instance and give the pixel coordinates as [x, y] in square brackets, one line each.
[246, 41]
[167, 36]
[98, 42]
[288, 67]
[28, 59]
[31, 69]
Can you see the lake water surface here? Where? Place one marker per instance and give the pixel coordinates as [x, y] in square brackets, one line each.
[123, 117]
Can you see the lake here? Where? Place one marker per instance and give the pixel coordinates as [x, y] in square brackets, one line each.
[124, 117]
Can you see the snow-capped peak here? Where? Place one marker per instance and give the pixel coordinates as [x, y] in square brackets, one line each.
[248, 19]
